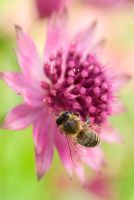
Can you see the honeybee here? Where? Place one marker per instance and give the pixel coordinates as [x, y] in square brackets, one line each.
[75, 129]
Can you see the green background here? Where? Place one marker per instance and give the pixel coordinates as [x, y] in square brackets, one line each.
[17, 167]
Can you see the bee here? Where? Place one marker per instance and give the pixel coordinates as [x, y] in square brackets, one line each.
[75, 129]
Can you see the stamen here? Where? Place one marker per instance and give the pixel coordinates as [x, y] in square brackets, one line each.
[84, 74]
[84, 87]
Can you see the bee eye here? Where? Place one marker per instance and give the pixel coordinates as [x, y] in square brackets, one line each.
[59, 120]
[63, 117]
[66, 114]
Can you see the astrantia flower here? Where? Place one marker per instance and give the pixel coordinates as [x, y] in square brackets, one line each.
[102, 187]
[69, 77]
[46, 8]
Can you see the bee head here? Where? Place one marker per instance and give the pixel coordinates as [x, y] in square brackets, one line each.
[62, 118]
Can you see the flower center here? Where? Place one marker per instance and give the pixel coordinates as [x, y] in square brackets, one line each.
[77, 83]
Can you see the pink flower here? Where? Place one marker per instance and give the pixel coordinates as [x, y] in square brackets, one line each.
[102, 187]
[70, 77]
[109, 3]
[46, 8]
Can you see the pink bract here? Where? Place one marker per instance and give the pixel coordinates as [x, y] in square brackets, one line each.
[70, 77]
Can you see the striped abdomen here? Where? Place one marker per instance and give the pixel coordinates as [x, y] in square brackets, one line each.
[87, 138]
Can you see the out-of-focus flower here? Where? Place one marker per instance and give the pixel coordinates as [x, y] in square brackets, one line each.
[46, 8]
[70, 77]
[101, 186]
[110, 3]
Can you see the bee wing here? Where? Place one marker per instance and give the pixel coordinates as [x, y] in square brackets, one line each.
[74, 149]
[109, 134]
[96, 128]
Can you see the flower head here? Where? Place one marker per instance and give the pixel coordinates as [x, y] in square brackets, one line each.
[70, 77]
[101, 186]
[46, 8]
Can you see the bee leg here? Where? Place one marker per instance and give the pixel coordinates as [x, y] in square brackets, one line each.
[87, 121]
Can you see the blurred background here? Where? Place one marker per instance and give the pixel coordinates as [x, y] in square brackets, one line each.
[17, 167]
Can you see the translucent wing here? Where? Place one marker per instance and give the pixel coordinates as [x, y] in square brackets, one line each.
[95, 128]
[75, 151]
[110, 135]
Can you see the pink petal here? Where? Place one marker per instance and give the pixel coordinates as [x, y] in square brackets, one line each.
[21, 85]
[20, 117]
[110, 135]
[80, 174]
[28, 56]
[14, 80]
[98, 47]
[63, 150]
[47, 8]
[43, 140]
[85, 37]
[32, 97]
[117, 107]
[94, 158]
[57, 37]
[119, 80]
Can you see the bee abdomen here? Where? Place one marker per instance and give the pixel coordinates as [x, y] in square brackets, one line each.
[88, 138]
[94, 141]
